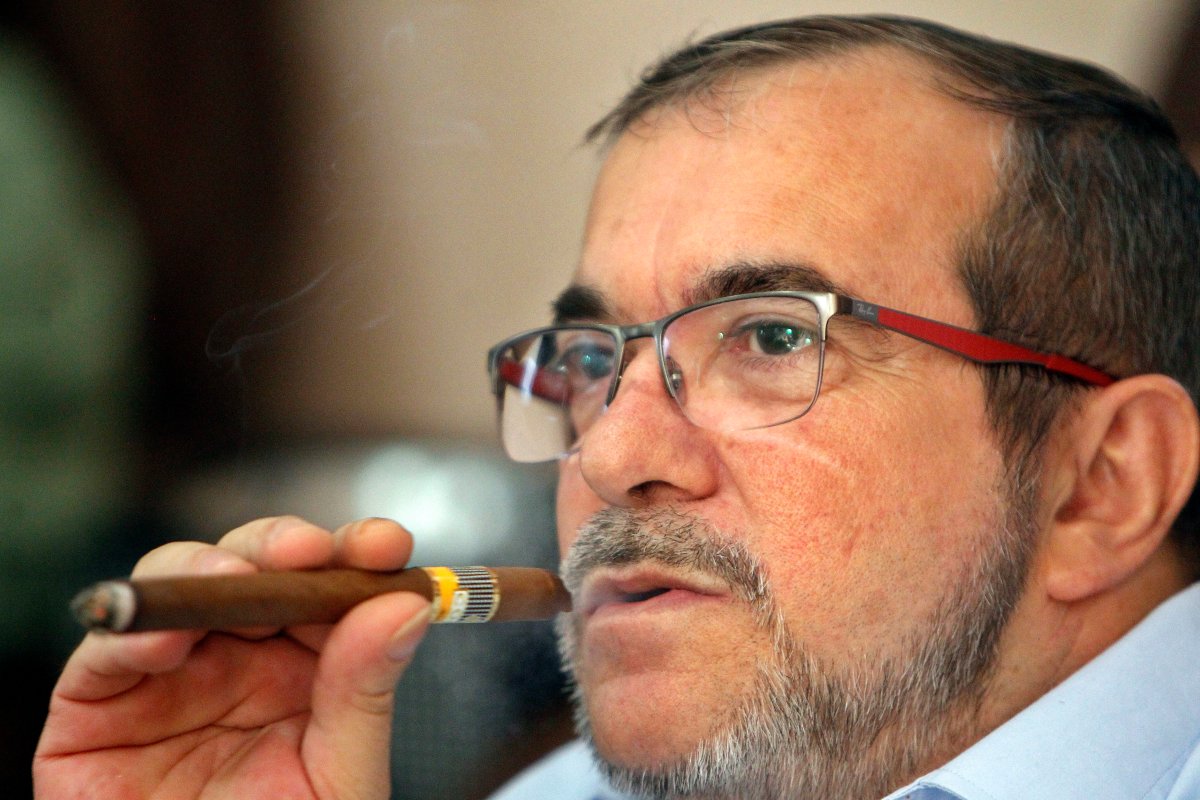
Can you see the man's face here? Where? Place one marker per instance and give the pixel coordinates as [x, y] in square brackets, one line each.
[867, 514]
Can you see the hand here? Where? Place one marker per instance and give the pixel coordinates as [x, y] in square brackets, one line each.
[300, 713]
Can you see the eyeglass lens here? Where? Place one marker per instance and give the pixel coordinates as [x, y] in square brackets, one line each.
[730, 365]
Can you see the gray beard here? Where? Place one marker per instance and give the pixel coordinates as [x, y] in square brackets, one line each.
[809, 729]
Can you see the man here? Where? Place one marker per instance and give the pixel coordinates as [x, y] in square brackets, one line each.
[824, 541]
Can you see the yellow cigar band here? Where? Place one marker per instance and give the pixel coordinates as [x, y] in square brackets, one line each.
[463, 594]
[445, 584]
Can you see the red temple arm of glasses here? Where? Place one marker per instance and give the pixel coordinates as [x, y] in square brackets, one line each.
[545, 385]
[973, 345]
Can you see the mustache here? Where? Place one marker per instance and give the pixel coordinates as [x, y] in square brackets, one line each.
[615, 537]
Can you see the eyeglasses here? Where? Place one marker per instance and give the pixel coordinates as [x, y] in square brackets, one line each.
[735, 363]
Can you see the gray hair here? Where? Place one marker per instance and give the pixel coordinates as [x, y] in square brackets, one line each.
[1092, 243]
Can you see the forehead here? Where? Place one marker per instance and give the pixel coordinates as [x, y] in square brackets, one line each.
[856, 168]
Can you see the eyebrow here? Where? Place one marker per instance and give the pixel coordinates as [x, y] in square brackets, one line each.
[773, 276]
[580, 303]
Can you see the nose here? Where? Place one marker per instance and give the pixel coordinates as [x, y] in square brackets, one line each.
[642, 450]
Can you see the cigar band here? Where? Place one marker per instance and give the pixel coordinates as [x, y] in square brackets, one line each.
[463, 594]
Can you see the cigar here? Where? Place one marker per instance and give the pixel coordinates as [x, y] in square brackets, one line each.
[278, 599]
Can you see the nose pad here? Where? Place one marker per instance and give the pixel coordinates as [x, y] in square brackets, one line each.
[674, 377]
[628, 354]
[626, 357]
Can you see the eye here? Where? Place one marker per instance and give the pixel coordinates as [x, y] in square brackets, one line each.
[595, 362]
[778, 338]
[585, 360]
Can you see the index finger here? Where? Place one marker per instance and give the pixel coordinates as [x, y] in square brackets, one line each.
[107, 664]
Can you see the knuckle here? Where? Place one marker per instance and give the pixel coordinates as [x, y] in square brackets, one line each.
[373, 704]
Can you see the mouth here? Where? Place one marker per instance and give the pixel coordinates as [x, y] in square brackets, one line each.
[642, 587]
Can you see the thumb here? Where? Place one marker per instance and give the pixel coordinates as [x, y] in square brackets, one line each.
[347, 747]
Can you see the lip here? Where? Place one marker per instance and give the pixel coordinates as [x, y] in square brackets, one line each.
[643, 588]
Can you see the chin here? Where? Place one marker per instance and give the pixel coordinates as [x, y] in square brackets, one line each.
[639, 724]
[647, 713]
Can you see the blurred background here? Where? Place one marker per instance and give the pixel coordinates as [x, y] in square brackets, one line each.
[251, 257]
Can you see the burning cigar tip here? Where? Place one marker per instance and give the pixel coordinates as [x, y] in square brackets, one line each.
[107, 605]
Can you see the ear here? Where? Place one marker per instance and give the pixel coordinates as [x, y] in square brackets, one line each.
[1123, 466]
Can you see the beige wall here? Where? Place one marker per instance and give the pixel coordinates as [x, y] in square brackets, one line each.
[439, 190]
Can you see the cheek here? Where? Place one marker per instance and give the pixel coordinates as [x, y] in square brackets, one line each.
[861, 525]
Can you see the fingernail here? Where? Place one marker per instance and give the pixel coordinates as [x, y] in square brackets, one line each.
[405, 640]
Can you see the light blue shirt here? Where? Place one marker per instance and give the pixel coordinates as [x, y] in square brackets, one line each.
[1124, 727]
